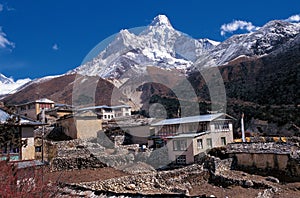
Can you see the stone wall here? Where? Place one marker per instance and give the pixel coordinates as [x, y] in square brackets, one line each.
[176, 183]
[278, 159]
[81, 154]
[76, 154]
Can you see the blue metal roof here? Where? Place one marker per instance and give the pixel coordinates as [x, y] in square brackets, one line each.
[24, 120]
[3, 116]
[190, 119]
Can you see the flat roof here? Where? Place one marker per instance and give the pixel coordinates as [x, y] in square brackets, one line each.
[190, 119]
[42, 100]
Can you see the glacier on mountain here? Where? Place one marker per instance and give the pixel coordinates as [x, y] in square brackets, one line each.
[9, 86]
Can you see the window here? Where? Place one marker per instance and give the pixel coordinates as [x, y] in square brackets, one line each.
[179, 145]
[45, 106]
[11, 149]
[222, 126]
[199, 144]
[180, 159]
[192, 127]
[209, 143]
[223, 141]
[38, 149]
[168, 130]
[202, 127]
[152, 131]
[31, 106]
[105, 116]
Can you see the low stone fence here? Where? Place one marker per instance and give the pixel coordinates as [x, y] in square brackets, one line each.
[263, 147]
[281, 160]
[59, 164]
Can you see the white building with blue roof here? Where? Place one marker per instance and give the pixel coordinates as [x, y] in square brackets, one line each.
[110, 112]
[187, 138]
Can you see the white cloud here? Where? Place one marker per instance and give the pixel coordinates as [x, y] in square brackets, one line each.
[1, 7]
[4, 42]
[238, 25]
[294, 18]
[55, 47]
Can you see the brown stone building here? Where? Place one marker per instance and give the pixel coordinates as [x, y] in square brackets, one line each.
[84, 124]
[33, 108]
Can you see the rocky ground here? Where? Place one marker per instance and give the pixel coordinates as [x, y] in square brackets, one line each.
[141, 180]
[95, 171]
[200, 188]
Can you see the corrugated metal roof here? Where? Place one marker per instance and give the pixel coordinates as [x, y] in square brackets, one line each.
[24, 120]
[187, 135]
[190, 119]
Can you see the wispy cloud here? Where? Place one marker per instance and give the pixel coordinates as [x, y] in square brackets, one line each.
[294, 18]
[6, 7]
[55, 47]
[4, 42]
[237, 25]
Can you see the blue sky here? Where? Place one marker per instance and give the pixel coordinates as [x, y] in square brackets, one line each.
[40, 38]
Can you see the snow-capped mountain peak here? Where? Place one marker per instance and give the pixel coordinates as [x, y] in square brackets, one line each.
[161, 20]
[162, 46]
[158, 45]
[254, 44]
[8, 85]
[5, 80]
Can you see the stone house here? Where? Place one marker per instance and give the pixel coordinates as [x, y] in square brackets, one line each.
[53, 114]
[33, 108]
[81, 125]
[188, 138]
[25, 131]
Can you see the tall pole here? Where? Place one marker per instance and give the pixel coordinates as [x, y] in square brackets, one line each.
[43, 132]
[242, 128]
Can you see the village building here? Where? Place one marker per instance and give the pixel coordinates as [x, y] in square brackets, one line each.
[110, 112]
[188, 138]
[34, 108]
[81, 125]
[53, 114]
[25, 131]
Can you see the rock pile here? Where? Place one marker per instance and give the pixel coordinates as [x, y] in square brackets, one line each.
[165, 182]
[76, 154]
[81, 154]
[138, 168]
